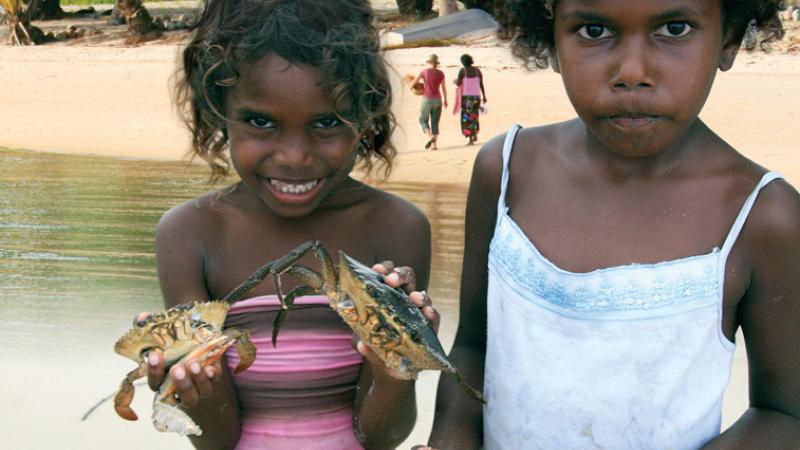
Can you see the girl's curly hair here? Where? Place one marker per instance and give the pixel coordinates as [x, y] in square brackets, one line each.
[338, 38]
[529, 24]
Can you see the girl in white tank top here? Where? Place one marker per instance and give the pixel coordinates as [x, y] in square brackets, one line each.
[609, 260]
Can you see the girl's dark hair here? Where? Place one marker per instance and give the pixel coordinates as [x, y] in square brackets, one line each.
[529, 26]
[466, 60]
[337, 37]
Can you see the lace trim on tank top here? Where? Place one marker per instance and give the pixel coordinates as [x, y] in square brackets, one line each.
[690, 282]
[697, 279]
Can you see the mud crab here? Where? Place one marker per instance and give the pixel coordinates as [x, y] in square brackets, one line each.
[381, 316]
[188, 331]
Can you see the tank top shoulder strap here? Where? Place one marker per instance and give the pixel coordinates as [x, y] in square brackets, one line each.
[507, 146]
[736, 228]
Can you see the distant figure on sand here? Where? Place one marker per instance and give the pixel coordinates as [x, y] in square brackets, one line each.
[469, 95]
[432, 101]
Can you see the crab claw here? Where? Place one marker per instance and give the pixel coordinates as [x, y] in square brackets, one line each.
[123, 399]
[246, 350]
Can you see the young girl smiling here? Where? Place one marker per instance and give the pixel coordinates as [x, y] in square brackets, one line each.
[296, 92]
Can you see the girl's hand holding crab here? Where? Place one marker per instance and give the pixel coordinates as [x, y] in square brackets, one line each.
[400, 277]
[192, 381]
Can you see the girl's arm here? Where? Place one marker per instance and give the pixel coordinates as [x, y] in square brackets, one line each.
[385, 410]
[480, 77]
[458, 420]
[769, 315]
[444, 92]
[459, 77]
[208, 396]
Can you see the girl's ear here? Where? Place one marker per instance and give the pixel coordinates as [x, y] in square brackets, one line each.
[730, 48]
[554, 60]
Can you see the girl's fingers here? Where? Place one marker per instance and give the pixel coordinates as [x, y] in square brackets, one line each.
[407, 278]
[384, 267]
[425, 305]
[420, 298]
[201, 381]
[397, 276]
[155, 369]
[184, 386]
[214, 372]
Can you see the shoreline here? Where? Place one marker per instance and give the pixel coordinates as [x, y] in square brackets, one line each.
[116, 101]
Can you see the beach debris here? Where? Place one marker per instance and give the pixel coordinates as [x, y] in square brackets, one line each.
[137, 17]
[191, 331]
[462, 26]
[18, 14]
[381, 316]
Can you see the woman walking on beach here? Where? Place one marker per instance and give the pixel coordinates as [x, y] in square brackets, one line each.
[293, 93]
[472, 96]
[432, 101]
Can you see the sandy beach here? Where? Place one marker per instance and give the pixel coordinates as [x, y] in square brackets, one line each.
[114, 100]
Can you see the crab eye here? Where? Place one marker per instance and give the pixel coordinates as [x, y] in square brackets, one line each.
[143, 321]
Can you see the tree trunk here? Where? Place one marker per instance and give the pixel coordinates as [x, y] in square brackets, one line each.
[447, 7]
[415, 7]
[136, 15]
[48, 10]
[18, 15]
[486, 5]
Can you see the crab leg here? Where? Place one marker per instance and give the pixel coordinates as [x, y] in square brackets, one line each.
[245, 348]
[124, 397]
[283, 313]
[274, 268]
[474, 393]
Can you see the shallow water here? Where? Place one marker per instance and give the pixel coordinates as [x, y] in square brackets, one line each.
[77, 262]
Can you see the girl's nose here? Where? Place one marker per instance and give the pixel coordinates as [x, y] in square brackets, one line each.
[633, 70]
[293, 150]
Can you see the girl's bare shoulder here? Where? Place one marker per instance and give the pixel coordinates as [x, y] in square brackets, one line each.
[529, 142]
[207, 212]
[391, 210]
[775, 218]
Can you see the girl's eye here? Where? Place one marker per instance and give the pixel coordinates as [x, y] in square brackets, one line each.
[326, 123]
[594, 31]
[260, 122]
[674, 29]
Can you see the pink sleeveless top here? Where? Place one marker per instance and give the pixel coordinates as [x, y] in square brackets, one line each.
[471, 86]
[301, 393]
[432, 79]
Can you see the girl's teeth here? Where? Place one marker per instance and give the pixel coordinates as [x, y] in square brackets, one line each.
[293, 188]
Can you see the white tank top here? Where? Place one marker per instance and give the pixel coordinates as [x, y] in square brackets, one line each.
[626, 357]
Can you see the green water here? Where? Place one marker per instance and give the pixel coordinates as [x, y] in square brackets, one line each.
[77, 262]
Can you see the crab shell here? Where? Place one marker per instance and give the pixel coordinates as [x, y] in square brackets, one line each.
[387, 321]
[175, 331]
